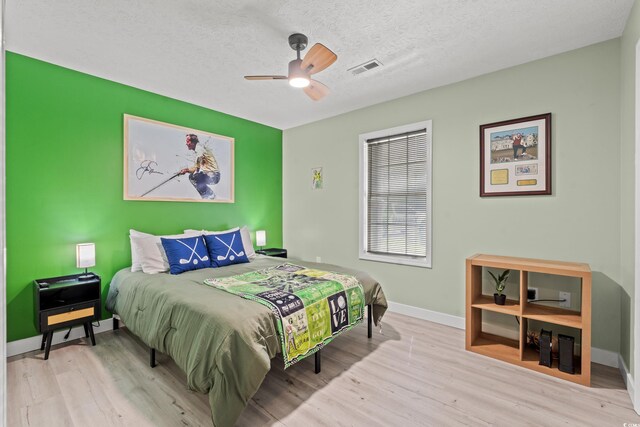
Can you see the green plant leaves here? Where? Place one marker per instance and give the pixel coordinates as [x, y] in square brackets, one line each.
[494, 278]
[501, 281]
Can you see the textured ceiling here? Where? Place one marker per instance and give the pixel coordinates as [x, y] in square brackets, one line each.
[199, 50]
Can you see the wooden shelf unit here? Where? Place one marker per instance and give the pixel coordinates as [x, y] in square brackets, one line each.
[516, 351]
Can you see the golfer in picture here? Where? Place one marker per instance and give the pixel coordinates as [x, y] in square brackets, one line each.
[204, 173]
[291, 340]
[517, 145]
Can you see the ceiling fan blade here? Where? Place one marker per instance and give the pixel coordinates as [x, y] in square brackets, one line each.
[316, 90]
[318, 58]
[265, 77]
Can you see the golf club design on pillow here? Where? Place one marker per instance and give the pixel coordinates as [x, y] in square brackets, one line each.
[226, 249]
[193, 253]
[229, 250]
[185, 254]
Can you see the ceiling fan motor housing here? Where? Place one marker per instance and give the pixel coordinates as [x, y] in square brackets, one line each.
[298, 41]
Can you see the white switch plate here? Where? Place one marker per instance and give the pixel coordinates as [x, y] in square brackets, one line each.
[567, 297]
[318, 259]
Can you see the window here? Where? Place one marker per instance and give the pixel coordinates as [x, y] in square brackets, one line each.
[395, 195]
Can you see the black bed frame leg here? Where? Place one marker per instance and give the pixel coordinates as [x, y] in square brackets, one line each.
[116, 324]
[369, 321]
[152, 358]
[318, 361]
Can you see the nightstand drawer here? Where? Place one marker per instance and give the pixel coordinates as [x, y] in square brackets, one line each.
[70, 315]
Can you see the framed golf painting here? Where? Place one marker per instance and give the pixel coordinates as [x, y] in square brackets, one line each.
[515, 157]
[165, 162]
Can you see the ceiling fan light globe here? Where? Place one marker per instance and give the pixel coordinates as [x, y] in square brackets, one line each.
[297, 76]
[299, 82]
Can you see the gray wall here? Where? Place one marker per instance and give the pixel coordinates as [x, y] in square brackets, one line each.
[627, 187]
[579, 222]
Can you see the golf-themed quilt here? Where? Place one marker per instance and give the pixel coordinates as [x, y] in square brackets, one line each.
[311, 306]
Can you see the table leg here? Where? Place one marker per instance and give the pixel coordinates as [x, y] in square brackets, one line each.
[86, 330]
[44, 341]
[49, 339]
[93, 338]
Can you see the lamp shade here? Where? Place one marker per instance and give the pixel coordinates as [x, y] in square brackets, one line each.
[261, 238]
[85, 255]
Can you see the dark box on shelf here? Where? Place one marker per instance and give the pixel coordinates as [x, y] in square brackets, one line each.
[565, 353]
[545, 347]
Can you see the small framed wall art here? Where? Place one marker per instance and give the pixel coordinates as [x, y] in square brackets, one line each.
[317, 179]
[515, 157]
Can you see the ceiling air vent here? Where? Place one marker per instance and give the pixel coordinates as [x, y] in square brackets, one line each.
[367, 66]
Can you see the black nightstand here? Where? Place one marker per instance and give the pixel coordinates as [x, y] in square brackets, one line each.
[61, 302]
[276, 252]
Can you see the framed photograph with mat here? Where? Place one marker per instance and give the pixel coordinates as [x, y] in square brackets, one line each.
[515, 157]
[174, 163]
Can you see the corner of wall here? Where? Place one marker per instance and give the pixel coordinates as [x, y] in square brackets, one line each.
[629, 201]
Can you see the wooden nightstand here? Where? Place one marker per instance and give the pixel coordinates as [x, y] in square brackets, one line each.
[62, 302]
[276, 252]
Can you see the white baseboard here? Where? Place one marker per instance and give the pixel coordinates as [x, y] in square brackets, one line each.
[424, 314]
[598, 355]
[626, 377]
[33, 343]
[605, 357]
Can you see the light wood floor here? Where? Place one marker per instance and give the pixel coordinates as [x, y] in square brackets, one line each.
[417, 373]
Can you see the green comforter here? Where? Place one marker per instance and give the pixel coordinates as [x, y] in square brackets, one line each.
[223, 342]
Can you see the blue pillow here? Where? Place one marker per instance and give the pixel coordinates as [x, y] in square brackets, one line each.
[226, 249]
[185, 254]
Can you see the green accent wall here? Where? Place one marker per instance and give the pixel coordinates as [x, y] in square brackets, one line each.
[64, 177]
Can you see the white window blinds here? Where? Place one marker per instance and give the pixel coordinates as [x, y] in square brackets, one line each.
[397, 198]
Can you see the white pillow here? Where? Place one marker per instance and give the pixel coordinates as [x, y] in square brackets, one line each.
[150, 252]
[208, 233]
[244, 233]
[246, 242]
[135, 258]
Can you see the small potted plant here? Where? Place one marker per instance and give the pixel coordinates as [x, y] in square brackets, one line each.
[501, 281]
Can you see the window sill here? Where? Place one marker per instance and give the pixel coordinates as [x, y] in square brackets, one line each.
[391, 259]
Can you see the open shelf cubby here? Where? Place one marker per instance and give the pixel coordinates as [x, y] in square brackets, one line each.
[516, 351]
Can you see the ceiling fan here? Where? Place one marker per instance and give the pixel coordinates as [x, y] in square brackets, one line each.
[317, 59]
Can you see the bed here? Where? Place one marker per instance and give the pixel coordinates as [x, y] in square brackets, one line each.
[223, 342]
